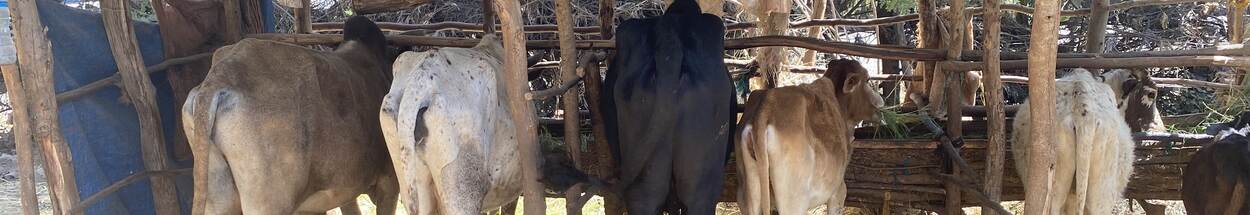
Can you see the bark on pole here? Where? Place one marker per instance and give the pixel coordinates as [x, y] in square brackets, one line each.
[996, 148]
[954, 102]
[303, 17]
[818, 12]
[568, 72]
[488, 17]
[234, 20]
[607, 18]
[21, 136]
[517, 87]
[774, 18]
[34, 55]
[1100, 10]
[1043, 46]
[142, 95]
[928, 36]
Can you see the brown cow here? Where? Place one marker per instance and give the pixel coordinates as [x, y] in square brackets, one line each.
[1217, 179]
[282, 129]
[805, 130]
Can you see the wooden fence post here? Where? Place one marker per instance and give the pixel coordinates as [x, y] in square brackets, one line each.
[568, 72]
[928, 36]
[234, 20]
[1043, 43]
[517, 89]
[34, 55]
[954, 99]
[21, 135]
[996, 148]
[303, 17]
[142, 95]
[818, 12]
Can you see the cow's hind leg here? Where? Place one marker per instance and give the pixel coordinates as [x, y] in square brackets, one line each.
[385, 195]
[700, 171]
[647, 193]
[350, 208]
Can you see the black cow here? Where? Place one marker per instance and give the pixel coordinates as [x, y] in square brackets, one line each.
[668, 105]
[1217, 179]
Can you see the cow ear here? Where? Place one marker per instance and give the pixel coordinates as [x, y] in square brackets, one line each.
[853, 81]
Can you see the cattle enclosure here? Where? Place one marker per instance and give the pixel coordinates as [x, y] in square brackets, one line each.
[895, 172]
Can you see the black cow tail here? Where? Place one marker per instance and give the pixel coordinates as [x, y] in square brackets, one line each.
[363, 30]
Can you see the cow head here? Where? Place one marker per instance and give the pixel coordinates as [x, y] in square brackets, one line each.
[1136, 94]
[858, 100]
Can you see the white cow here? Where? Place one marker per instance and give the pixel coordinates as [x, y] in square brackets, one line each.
[449, 131]
[1092, 144]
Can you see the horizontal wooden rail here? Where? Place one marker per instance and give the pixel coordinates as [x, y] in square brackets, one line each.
[472, 27]
[112, 80]
[1220, 50]
[1112, 63]
[873, 51]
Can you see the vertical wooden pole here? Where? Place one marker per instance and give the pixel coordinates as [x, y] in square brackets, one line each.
[488, 18]
[954, 101]
[1100, 10]
[519, 99]
[818, 12]
[889, 35]
[607, 18]
[34, 55]
[21, 136]
[1043, 43]
[774, 19]
[1236, 24]
[253, 20]
[142, 95]
[234, 20]
[303, 17]
[568, 72]
[928, 36]
[996, 149]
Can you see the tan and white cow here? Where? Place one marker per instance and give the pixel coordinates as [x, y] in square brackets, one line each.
[449, 130]
[278, 128]
[794, 142]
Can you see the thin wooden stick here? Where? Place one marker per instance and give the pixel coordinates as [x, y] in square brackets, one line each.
[21, 136]
[551, 92]
[142, 95]
[116, 186]
[818, 12]
[112, 80]
[34, 55]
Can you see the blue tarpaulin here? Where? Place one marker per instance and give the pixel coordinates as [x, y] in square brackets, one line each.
[102, 129]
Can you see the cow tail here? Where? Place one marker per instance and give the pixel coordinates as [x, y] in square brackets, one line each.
[1088, 129]
[199, 118]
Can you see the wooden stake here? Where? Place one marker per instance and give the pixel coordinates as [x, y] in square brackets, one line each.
[568, 72]
[21, 136]
[954, 99]
[1043, 43]
[818, 12]
[234, 20]
[303, 17]
[996, 148]
[488, 18]
[34, 55]
[515, 86]
[928, 36]
[607, 18]
[142, 94]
